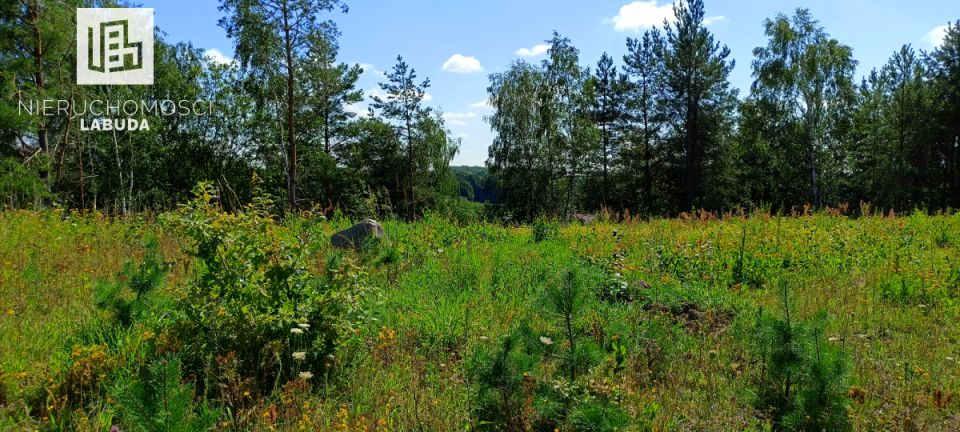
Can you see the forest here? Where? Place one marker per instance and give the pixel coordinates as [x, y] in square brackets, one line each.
[656, 133]
[238, 247]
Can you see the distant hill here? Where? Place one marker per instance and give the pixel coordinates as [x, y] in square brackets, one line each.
[476, 184]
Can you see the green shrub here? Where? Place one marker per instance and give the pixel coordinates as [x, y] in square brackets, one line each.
[802, 386]
[538, 381]
[125, 299]
[253, 298]
[502, 379]
[544, 229]
[158, 399]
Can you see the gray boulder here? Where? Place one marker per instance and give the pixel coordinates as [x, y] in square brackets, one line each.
[356, 235]
[583, 218]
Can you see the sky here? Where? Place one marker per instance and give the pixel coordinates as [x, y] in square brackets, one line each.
[458, 43]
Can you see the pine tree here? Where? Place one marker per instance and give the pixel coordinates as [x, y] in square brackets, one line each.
[698, 101]
[272, 37]
[646, 117]
[608, 111]
[403, 104]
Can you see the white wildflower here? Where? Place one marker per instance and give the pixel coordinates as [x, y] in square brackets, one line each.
[299, 355]
[545, 340]
[306, 375]
[303, 326]
[296, 330]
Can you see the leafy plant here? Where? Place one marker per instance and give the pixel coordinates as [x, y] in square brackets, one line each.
[253, 295]
[544, 229]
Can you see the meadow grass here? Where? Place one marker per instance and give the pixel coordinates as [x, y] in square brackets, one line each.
[671, 307]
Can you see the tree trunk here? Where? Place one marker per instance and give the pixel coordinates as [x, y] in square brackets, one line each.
[291, 136]
[647, 171]
[326, 129]
[33, 14]
[412, 205]
[606, 148]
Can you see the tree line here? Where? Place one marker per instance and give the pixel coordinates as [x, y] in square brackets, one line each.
[286, 113]
[665, 132]
[660, 133]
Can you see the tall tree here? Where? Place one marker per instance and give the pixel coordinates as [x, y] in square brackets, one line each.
[645, 115]
[271, 38]
[328, 89]
[699, 102]
[517, 156]
[568, 131]
[945, 64]
[403, 103]
[807, 78]
[608, 111]
[543, 131]
[895, 162]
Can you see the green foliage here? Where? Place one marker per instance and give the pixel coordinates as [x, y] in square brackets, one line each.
[599, 418]
[533, 380]
[19, 185]
[476, 184]
[802, 99]
[500, 376]
[158, 399]
[253, 295]
[543, 132]
[544, 229]
[803, 384]
[139, 280]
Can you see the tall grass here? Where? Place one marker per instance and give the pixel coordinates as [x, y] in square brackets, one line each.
[670, 306]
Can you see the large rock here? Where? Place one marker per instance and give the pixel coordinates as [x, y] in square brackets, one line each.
[358, 234]
[583, 218]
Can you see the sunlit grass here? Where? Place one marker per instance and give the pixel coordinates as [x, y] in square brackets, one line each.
[889, 285]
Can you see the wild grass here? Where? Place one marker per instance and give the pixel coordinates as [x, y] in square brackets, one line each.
[667, 319]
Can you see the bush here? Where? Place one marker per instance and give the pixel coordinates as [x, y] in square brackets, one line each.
[544, 229]
[802, 385]
[158, 400]
[536, 381]
[125, 302]
[253, 298]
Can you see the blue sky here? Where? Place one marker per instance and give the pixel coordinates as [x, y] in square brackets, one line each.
[488, 35]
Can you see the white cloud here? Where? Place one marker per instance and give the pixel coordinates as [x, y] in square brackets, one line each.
[935, 37]
[459, 63]
[533, 51]
[371, 69]
[458, 119]
[711, 20]
[484, 104]
[641, 15]
[218, 57]
[357, 108]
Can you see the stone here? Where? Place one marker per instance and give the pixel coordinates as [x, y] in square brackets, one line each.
[585, 219]
[358, 234]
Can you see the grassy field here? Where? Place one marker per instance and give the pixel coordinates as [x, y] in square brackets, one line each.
[657, 325]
